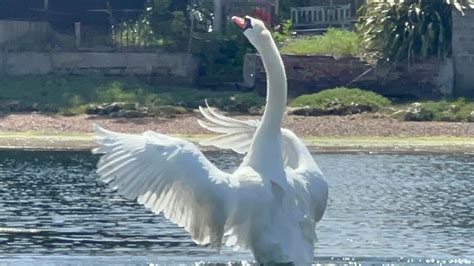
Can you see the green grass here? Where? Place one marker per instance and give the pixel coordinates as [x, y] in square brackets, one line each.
[448, 110]
[341, 97]
[333, 42]
[73, 93]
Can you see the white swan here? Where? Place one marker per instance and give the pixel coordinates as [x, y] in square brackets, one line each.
[269, 205]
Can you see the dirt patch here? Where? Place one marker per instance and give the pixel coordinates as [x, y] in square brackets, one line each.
[331, 126]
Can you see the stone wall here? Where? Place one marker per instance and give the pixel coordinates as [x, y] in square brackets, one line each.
[163, 68]
[463, 52]
[312, 73]
[10, 30]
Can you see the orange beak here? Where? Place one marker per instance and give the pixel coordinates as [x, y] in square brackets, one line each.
[238, 21]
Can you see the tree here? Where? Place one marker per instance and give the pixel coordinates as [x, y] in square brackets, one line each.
[408, 29]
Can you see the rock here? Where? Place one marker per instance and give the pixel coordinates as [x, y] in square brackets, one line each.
[419, 114]
[471, 117]
[9, 106]
[129, 114]
[243, 108]
[332, 110]
[357, 109]
[306, 111]
[168, 111]
[454, 108]
[68, 113]
[175, 110]
[92, 109]
[110, 108]
[255, 110]
[239, 108]
[19, 106]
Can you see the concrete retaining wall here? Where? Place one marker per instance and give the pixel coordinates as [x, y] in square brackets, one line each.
[10, 30]
[463, 52]
[163, 68]
[312, 73]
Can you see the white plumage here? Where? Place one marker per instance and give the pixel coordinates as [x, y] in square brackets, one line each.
[269, 205]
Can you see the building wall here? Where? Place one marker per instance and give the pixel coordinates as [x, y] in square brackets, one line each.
[11, 30]
[164, 68]
[463, 52]
[312, 73]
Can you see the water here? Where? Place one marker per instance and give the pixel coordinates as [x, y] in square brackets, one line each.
[403, 208]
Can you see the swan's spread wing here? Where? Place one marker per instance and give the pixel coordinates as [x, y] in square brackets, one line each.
[167, 175]
[308, 175]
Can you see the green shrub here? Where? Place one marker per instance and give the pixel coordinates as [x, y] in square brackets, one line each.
[282, 36]
[447, 110]
[341, 97]
[334, 42]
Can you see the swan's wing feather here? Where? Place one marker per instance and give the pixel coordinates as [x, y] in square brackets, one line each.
[168, 175]
[237, 142]
[302, 164]
[237, 136]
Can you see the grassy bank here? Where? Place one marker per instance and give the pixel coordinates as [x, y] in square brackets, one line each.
[333, 42]
[342, 98]
[72, 94]
[459, 109]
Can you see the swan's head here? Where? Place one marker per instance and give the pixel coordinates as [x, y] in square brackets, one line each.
[254, 30]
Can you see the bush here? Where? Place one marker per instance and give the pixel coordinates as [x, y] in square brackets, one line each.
[446, 110]
[283, 34]
[334, 42]
[341, 97]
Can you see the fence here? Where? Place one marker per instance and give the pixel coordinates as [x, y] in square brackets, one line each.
[11, 30]
[321, 17]
[136, 35]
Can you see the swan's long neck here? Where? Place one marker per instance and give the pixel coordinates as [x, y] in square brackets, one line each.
[266, 153]
[276, 86]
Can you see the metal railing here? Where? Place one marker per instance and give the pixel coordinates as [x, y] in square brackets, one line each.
[321, 16]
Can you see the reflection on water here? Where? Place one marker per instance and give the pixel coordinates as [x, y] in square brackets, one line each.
[381, 207]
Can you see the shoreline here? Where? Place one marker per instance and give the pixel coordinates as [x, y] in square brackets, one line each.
[77, 141]
[355, 133]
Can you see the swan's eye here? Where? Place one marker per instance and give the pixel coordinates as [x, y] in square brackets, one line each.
[248, 24]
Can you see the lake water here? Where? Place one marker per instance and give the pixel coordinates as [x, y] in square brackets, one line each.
[383, 208]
